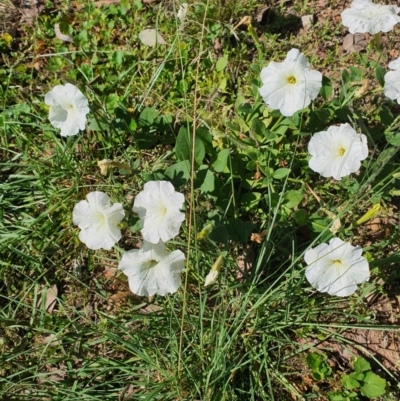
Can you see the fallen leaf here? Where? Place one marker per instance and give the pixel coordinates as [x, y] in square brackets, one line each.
[255, 237]
[150, 308]
[261, 14]
[30, 9]
[348, 42]
[51, 297]
[60, 35]
[150, 37]
[360, 42]
[354, 43]
[104, 165]
[105, 2]
[51, 340]
[244, 21]
[393, 53]
[363, 88]
[336, 224]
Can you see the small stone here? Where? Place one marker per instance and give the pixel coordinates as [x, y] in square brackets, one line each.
[307, 21]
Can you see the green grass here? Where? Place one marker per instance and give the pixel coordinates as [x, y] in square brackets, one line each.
[240, 339]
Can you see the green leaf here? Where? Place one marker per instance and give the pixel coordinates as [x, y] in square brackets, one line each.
[208, 183]
[179, 173]
[350, 382]
[221, 63]
[361, 364]
[355, 74]
[182, 145]
[243, 230]
[219, 234]
[245, 108]
[118, 57]
[148, 116]
[300, 216]
[199, 150]
[97, 125]
[317, 375]
[380, 74]
[314, 360]
[336, 397]
[112, 102]
[205, 180]
[374, 385]
[222, 161]
[386, 116]
[327, 88]
[345, 77]
[293, 198]
[133, 125]
[393, 138]
[281, 173]
[250, 200]
[258, 127]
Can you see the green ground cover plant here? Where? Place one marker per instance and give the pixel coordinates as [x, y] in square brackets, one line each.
[179, 97]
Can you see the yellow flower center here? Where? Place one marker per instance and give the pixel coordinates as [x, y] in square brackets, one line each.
[291, 80]
[342, 151]
[100, 218]
[70, 107]
[151, 264]
[337, 262]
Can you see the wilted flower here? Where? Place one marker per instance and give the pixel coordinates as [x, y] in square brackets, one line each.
[98, 221]
[151, 270]
[336, 268]
[392, 81]
[158, 208]
[290, 86]
[68, 109]
[212, 276]
[365, 16]
[337, 152]
[182, 12]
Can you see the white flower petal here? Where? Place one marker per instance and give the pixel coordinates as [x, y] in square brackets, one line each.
[336, 268]
[151, 270]
[365, 16]
[394, 64]
[68, 109]
[392, 85]
[158, 206]
[98, 221]
[337, 152]
[290, 86]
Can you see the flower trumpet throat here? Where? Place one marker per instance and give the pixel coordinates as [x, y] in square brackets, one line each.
[371, 213]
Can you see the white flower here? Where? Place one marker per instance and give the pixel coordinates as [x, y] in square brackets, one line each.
[68, 109]
[158, 208]
[290, 86]
[392, 81]
[182, 12]
[98, 221]
[365, 16]
[337, 152]
[151, 270]
[336, 268]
